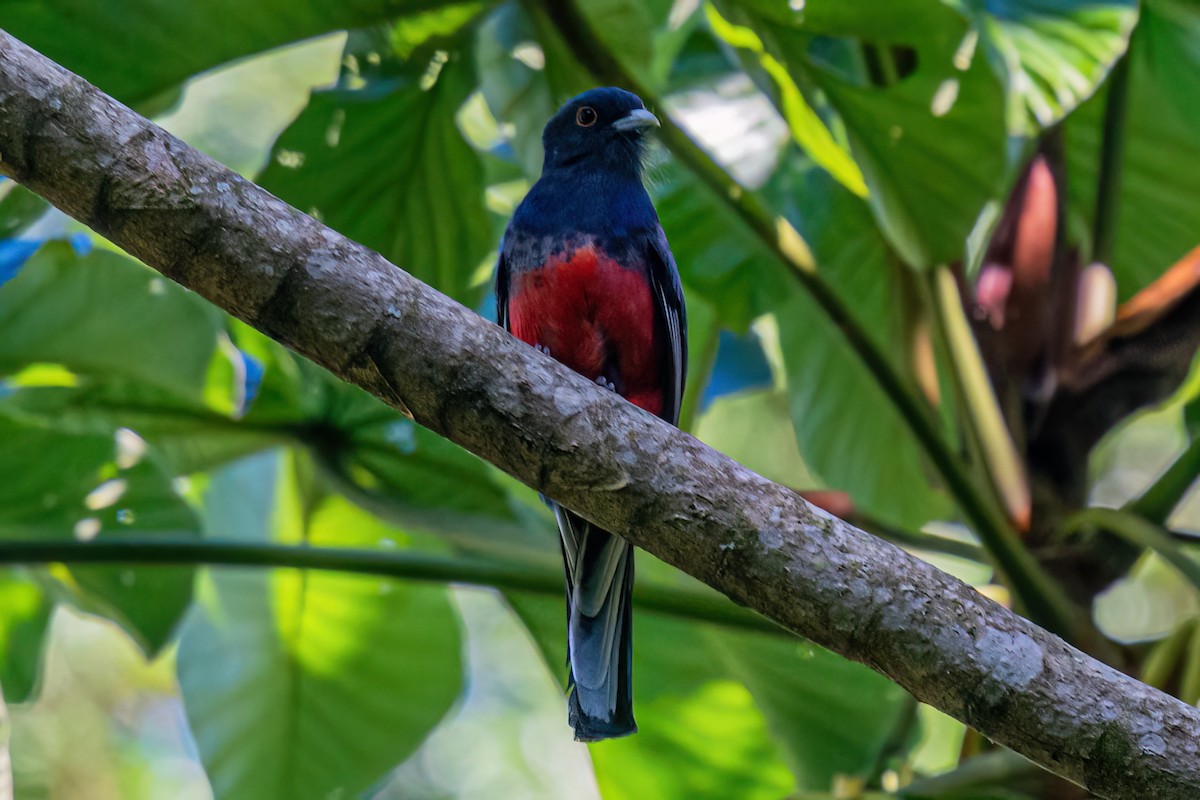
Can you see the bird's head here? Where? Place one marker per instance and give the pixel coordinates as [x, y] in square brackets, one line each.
[601, 127]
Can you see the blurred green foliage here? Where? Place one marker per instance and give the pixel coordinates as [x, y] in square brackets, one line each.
[888, 133]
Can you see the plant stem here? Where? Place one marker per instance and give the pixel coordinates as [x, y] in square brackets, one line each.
[702, 606]
[918, 540]
[986, 430]
[990, 770]
[1139, 532]
[1112, 154]
[1042, 598]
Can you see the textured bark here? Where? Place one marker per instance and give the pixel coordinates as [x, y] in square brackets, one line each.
[351, 311]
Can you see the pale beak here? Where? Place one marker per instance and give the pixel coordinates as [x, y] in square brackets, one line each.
[636, 120]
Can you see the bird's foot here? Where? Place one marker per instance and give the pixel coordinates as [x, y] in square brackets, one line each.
[606, 383]
[541, 348]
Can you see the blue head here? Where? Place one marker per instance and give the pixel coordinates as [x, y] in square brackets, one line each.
[592, 176]
[599, 129]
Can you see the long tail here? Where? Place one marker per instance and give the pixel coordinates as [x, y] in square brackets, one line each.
[599, 569]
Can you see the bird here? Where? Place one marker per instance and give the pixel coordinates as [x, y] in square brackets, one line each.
[586, 276]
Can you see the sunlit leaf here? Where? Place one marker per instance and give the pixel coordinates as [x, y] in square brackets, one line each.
[688, 709]
[79, 486]
[1053, 54]
[756, 429]
[24, 617]
[807, 128]
[308, 684]
[137, 49]
[717, 731]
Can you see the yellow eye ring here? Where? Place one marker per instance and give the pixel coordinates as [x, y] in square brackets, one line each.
[586, 117]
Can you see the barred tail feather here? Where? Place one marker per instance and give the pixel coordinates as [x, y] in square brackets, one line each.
[599, 570]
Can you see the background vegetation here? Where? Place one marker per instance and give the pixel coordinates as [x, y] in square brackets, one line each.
[935, 355]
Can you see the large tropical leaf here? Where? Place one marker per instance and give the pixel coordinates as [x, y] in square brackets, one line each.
[931, 140]
[387, 166]
[83, 486]
[62, 309]
[931, 146]
[396, 469]
[720, 259]
[137, 49]
[24, 618]
[1158, 220]
[825, 733]
[732, 705]
[840, 413]
[688, 708]
[1053, 55]
[308, 684]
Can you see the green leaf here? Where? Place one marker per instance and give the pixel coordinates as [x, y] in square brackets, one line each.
[755, 429]
[688, 709]
[409, 33]
[840, 413]
[932, 149]
[299, 685]
[1052, 54]
[627, 28]
[387, 166]
[308, 684]
[872, 20]
[709, 743]
[188, 436]
[807, 128]
[709, 697]
[104, 315]
[1157, 216]
[173, 41]
[18, 208]
[720, 259]
[931, 146]
[396, 469]
[24, 618]
[526, 70]
[832, 716]
[82, 486]
[518, 90]
[1141, 533]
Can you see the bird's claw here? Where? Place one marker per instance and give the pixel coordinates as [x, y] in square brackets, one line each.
[541, 348]
[606, 383]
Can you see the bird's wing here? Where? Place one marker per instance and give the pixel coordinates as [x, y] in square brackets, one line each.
[672, 317]
[502, 291]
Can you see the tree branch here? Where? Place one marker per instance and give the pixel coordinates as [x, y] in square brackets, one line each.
[370, 323]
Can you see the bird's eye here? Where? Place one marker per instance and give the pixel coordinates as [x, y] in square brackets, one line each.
[586, 117]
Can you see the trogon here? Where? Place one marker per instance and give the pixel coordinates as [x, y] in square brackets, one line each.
[586, 276]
